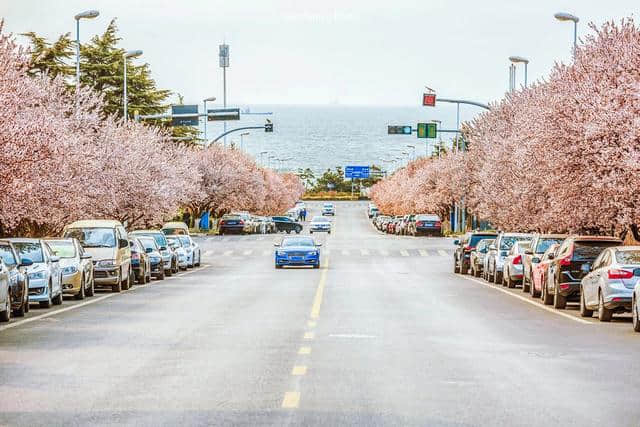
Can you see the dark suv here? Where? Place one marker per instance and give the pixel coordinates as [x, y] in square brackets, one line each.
[284, 223]
[468, 242]
[572, 262]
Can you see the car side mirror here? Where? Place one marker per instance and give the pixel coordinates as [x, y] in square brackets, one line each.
[636, 271]
[148, 250]
[123, 243]
[26, 262]
[55, 258]
[535, 260]
[456, 242]
[163, 248]
[85, 256]
[318, 244]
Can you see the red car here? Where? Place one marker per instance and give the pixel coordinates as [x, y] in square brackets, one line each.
[539, 270]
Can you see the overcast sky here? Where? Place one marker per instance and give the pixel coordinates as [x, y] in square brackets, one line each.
[349, 52]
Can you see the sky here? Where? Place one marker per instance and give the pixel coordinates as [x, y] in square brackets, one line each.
[349, 52]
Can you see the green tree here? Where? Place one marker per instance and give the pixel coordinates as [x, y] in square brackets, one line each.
[307, 176]
[51, 57]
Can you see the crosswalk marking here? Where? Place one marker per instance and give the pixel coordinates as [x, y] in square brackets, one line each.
[364, 252]
[422, 252]
[442, 252]
[404, 253]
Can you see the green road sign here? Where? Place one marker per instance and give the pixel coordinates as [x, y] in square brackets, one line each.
[427, 130]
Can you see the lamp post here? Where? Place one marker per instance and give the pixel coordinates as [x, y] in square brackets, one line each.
[241, 139]
[206, 118]
[426, 143]
[89, 14]
[563, 16]
[127, 55]
[413, 147]
[519, 59]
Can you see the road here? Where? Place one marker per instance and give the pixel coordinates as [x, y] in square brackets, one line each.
[383, 334]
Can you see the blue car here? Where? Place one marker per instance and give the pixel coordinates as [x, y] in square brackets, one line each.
[297, 251]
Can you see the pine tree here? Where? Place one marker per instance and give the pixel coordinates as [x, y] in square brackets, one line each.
[52, 58]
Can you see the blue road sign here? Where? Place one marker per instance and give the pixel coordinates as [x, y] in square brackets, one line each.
[185, 109]
[356, 172]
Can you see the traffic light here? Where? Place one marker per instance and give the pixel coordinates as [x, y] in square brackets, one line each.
[399, 130]
[427, 130]
[429, 99]
[268, 127]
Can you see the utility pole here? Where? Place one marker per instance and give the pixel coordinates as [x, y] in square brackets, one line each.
[223, 53]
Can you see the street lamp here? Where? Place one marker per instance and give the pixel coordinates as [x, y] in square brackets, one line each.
[206, 118]
[89, 14]
[525, 61]
[563, 16]
[127, 55]
[241, 139]
[413, 147]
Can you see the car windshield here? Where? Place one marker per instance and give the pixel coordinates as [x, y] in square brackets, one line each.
[7, 255]
[427, 218]
[185, 240]
[589, 251]
[297, 241]
[148, 243]
[31, 250]
[62, 248]
[160, 238]
[174, 241]
[507, 241]
[319, 219]
[544, 244]
[473, 242]
[93, 237]
[628, 257]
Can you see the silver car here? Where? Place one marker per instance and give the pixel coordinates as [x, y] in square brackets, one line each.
[609, 285]
[478, 256]
[320, 224]
[192, 249]
[512, 269]
[498, 252]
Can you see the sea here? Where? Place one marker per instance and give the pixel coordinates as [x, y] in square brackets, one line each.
[323, 137]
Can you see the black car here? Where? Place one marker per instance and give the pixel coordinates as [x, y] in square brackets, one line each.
[464, 246]
[572, 262]
[18, 279]
[231, 224]
[284, 223]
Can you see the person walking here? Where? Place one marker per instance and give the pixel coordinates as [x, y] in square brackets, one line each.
[304, 214]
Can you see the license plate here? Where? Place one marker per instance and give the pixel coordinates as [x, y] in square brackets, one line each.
[296, 258]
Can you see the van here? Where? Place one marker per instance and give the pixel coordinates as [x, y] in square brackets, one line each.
[108, 244]
[171, 228]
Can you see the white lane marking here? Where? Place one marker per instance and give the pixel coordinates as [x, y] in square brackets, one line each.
[364, 252]
[422, 252]
[345, 252]
[442, 252]
[228, 253]
[93, 300]
[384, 252]
[404, 253]
[351, 336]
[528, 300]
[247, 252]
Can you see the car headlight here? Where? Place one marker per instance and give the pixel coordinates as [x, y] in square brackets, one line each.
[281, 253]
[69, 270]
[154, 259]
[106, 263]
[37, 275]
[313, 253]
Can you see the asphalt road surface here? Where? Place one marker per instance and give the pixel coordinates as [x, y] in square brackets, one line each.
[383, 334]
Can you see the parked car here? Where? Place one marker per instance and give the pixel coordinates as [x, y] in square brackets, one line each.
[566, 270]
[45, 274]
[192, 249]
[297, 251]
[539, 244]
[477, 257]
[372, 210]
[405, 224]
[610, 281]
[328, 209]
[14, 282]
[284, 223]
[231, 223]
[380, 221]
[140, 261]
[540, 268]
[635, 308]
[176, 227]
[169, 256]
[108, 244]
[156, 262]
[464, 246]
[176, 245]
[320, 224]
[76, 265]
[498, 252]
[425, 224]
[512, 270]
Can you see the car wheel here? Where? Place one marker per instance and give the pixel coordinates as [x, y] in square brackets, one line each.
[57, 300]
[5, 315]
[497, 277]
[118, 286]
[525, 284]
[584, 311]
[80, 294]
[510, 283]
[48, 302]
[298, 230]
[92, 289]
[288, 231]
[316, 265]
[161, 275]
[19, 312]
[455, 266]
[604, 314]
[174, 269]
[532, 289]
[126, 284]
[278, 266]
[559, 301]
[546, 298]
[143, 277]
[635, 315]
[310, 231]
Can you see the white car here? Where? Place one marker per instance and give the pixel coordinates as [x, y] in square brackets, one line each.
[180, 250]
[321, 224]
[192, 249]
[328, 209]
[45, 274]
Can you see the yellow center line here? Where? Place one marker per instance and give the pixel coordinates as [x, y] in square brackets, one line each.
[291, 399]
[304, 350]
[317, 300]
[311, 323]
[299, 370]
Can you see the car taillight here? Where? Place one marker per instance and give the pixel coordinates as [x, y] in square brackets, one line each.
[419, 223]
[566, 260]
[517, 260]
[241, 222]
[615, 273]
[467, 248]
[438, 223]
[222, 222]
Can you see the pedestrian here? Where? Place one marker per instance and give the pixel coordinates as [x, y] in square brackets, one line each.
[304, 214]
